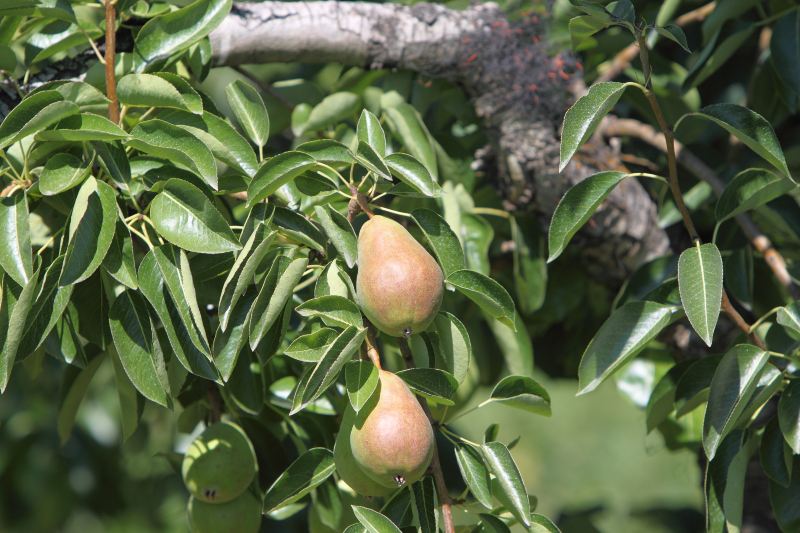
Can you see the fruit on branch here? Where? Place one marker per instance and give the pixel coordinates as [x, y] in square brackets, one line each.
[399, 284]
[220, 464]
[392, 442]
[346, 465]
[240, 515]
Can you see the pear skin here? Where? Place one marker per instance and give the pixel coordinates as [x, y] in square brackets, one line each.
[399, 284]
[393, 442]
[346, 465]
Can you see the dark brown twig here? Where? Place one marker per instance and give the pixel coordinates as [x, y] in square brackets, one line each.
[214, 403]
[436, 465]
[111, 45]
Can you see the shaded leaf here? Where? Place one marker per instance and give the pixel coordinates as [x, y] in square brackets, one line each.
[340, 232]
[789, 415]
[300, 478]
[276, 173]
[62, 172]
[750, 189]
[16, 256]
[333, 310]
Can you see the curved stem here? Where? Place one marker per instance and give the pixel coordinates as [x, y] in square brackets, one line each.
[436, 465]
[111, 45]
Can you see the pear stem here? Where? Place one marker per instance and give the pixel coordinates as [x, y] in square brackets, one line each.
[372, 352]
[358, 202]
[436, 465]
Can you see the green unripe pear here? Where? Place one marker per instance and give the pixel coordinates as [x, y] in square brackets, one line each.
[220, 463]
[240, 515]
[393, 442]
[346, 465]
[399, 284]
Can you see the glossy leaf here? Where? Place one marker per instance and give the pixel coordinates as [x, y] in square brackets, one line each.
[74, 384]
[789, 415]
[425, 503]
[434, 384]
[332, 109]
[521, 392]
[732, 387]
[700, 285]
[749, 127]
[776, 455]
[621, 337]
[454, 345]
[502, 465]
[15, 306]
[361, 380]
[119, 262]
[333, 310]
[33, 114]
[327, 151]
[489, 295]
[369, 130]
[784, 501]
[276, 173]
[784, 46]
[83, 127]
[61, 173]
[136, 343]
[91, 230]
[441, 239]
[530, 268]
[185, 216]
[584, 116]
[150, 90]
[577, 206]
[276, 290]
[674, 33]
[369, 159]
[409, 127]
[309, 348]
[47, 309]
[413, 173]
[301, 477]
[475, 474]
[250, 111]
[340, 232]
[374, 521]
[750, 189]
[16, 256]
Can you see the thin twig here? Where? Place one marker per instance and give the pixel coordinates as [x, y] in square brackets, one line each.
[111, 45]
[625, 56]
[214, 403]
[614, 127]
[436, 465]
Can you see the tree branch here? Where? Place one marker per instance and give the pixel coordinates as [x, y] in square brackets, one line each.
[111, 45]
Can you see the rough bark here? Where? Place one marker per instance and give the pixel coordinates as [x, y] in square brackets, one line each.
[518, 89]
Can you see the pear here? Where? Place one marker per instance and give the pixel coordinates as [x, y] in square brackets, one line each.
[399, 284]
[346, 465]
[220, 463]
[393, 442]
[240, 515]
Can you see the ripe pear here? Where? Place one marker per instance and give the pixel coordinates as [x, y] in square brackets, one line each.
[346, 465]
[220, 464]
[393, 442]
[399, 284]
[240, 515]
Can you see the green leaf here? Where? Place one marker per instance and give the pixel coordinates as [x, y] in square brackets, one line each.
[750, 189]
[184, 216]
[333, 310]
[374, 521]
[432, 384]
[327, 151]
[241, 273]
[276, 290]
[584, 116]
[228, 344]
[577, 206]
[74, 384]
[775, 454]
[91, 229]
[785, 48]
[225, 143]
[250, 111]
[623, 335]
[299, 229]
[136, 343]
[83, 127]
[502, 465]
[61, 173]
[542, 524]
[454, 345]
[330, 364]
[361, 380]
[441, 239]
[789, 316]
[369, 159]
[310, 348]
[406, 124]
[16, 256]
[712, 57]
[369, 130]
[51, 301]
[475, 474]
[521, 392]
[131, 404]
[789, 415]
[151, 90]
[489, 295]
[340, 232]
[303, 475]
[333, 109]
[784, 501]
[15, 306]
[413, 173]
[164, 140]
[749, 127]
[119, 261]
[114, 161]
[33, 114]
[733, 384]
[530, 267]
[662, 399]
[700, 285]
[424, 493]
[334, 281]
[674, 33]
[276, 173]
[165, 35]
